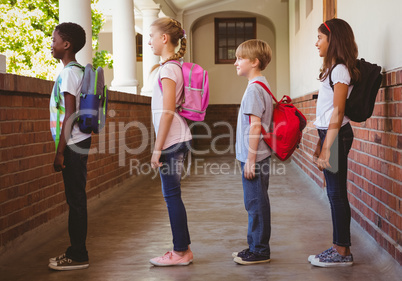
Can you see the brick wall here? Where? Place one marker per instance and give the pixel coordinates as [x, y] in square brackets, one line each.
[31, 193]
[218, 129]
[375, 164]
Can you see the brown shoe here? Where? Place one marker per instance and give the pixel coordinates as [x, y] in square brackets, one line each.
[68, 264]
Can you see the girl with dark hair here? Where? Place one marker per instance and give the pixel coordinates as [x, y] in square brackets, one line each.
[336, 44]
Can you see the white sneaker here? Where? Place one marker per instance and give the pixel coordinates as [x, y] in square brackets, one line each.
[311, 257]
[56, 259]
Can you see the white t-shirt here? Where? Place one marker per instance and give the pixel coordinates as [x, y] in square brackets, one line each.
[71, 82]
[325, 101]
[179, 130]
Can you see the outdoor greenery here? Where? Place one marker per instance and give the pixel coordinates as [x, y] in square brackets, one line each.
[26, 28]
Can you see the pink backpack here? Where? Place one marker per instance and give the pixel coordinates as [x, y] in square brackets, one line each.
[196, 91]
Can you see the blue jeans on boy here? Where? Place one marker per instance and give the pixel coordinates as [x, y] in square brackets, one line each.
[336, 178]
[256, 201]
[172, 159]
[75, 179]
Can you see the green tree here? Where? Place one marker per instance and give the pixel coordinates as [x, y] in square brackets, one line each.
[25, 36]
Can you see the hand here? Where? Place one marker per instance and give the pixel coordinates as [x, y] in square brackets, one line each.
[323, 160]
[155, 163]
[249, 170]
[58, 163]
[316, 154]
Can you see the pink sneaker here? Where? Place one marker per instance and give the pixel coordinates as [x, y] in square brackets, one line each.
[171, 258]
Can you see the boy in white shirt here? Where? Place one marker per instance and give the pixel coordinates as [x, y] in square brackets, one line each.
[67, 40]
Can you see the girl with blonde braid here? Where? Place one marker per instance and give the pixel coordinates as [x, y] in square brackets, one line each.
[173, 137]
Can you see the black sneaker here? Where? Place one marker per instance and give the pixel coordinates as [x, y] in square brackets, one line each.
[251, 258]
[241, 254]
[68, 264]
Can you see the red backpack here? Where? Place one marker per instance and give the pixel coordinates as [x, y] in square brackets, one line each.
[287, 126]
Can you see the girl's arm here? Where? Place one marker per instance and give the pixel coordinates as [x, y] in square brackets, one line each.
[254, 138]
[169, 107]
[340, 96]
[317, 152]
[65, 131]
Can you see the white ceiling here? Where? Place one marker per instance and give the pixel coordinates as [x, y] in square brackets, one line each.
[177, 6]
[190, 4]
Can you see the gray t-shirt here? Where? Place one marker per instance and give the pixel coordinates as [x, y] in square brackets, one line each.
[258, 102]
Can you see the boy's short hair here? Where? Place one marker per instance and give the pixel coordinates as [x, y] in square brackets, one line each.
[255, 49]
[72, 33]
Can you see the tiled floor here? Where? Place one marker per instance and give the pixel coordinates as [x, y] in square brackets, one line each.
[130, 225]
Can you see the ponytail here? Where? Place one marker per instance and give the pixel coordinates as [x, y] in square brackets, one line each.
[180, 53]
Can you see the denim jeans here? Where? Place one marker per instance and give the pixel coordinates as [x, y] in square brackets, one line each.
[256, 201]
[172, 159]
[336, 178]
[75, 179]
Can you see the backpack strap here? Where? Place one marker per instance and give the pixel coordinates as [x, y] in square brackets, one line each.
[56, 94]
[74, 63]
[171, 61]
[330, 78]
[263, 132]
[285, 98]
[61, 109]
[160, 81]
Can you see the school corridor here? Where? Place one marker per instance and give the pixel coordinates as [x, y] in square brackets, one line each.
[129, 225]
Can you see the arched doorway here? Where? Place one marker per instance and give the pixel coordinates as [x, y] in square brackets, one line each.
[225, 86]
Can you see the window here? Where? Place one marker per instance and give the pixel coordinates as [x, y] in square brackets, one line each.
[229, 34]
[138, 40]
[309, 7]
[329, 9]
[297, 16]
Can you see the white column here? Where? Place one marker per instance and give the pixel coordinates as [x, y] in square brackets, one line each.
[148, 58]
[79, 11]
[124, 47]
[3, 65]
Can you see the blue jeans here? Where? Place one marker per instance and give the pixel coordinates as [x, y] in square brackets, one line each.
[172, 159]
[336, 178]
[256, 201]
[75, 180]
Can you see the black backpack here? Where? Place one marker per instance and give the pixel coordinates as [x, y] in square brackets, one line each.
[360, 104]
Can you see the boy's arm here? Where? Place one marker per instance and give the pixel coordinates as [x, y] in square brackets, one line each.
[254, 138]
[65, 131]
